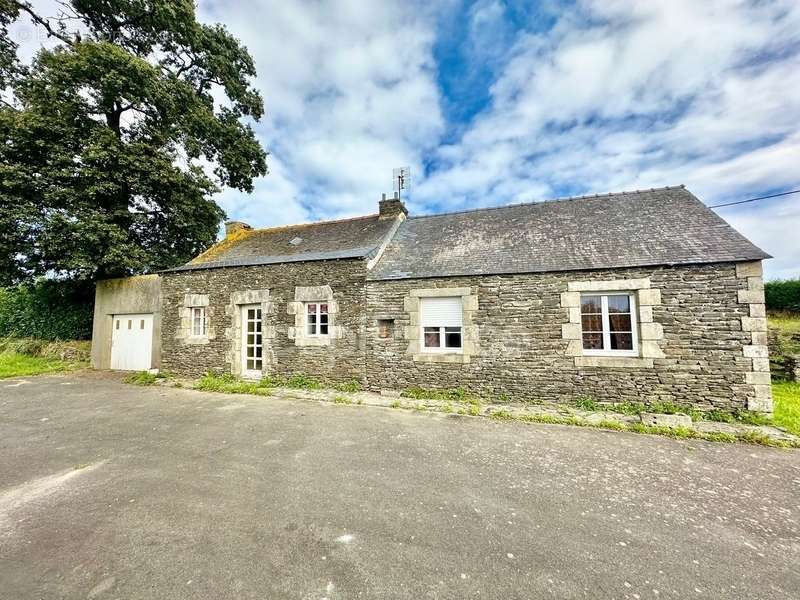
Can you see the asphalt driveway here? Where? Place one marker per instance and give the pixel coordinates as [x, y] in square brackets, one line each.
[114, 491]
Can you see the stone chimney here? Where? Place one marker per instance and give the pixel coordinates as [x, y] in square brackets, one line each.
[232, 227]
[389, 209]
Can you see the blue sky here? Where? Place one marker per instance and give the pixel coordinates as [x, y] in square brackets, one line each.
[499, 101]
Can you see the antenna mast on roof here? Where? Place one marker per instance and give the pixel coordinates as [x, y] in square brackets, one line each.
[401, 180]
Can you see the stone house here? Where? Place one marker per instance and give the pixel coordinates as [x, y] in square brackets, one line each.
[640, 296]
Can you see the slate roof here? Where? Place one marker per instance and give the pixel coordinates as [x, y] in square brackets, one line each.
[666, 226]
[325, 240]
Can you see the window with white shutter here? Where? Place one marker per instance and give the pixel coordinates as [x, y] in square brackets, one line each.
[441, 323]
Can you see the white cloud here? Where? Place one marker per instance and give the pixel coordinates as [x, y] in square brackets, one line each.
[276, 200]
[350, 93]
[617, 94]
[630, 95]
[774, 228]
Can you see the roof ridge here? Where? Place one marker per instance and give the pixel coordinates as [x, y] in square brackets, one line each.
[563, 199]
[293, 225]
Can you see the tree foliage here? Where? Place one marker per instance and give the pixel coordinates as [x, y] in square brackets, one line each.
[8, 49]
[783, 295]
[47, 309]
[107, 133]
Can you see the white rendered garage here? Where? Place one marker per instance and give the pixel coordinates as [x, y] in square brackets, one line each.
[127, 324]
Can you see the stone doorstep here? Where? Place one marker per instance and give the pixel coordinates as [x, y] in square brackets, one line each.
[386, 400]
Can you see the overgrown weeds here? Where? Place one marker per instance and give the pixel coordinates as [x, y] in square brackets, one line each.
[670, 408]
[228, 384]
[146, 378]
[453, 395]
[745, 417]
[303, 382]
[351, 386]
[67, 350]
[587, 403]
[141, 378]
[749, 437]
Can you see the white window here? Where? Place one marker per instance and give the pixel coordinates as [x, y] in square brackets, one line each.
[440, 323]
[608, 324]
[199, 322]
[316, 318]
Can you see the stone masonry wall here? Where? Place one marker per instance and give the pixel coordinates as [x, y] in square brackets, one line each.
[273, 286]
[704, 355]
[704, 338]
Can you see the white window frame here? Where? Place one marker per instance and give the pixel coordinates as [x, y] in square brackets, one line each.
[257, 343]
[317, 313]
[196, 312]
[442, 349]
[607, 350]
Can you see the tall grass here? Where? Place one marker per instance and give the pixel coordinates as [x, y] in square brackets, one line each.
[786, 396]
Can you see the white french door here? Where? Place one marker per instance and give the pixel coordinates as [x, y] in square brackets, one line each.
[252, 341]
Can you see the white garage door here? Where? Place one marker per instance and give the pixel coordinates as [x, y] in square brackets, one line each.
[132, 342]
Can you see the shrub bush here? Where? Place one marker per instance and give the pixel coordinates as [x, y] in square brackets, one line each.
[783, 295]
[68, 350]
[47, 310]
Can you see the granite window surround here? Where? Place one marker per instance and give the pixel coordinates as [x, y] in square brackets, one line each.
[321, 294]
[186, 331]
[649, 332]
[469, 330]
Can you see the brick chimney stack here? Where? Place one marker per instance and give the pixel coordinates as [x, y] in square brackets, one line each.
[389, 209]
[232, 227]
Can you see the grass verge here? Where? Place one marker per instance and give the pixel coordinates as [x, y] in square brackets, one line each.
[786, 396]
[749, 437]
[459, 401]
[785, 322]
[13, 364]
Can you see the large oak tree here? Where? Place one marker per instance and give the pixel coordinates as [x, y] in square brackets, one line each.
[110, 136]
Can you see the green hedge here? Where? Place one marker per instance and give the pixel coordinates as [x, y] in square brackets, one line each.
[47, 310]
[783, 295]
